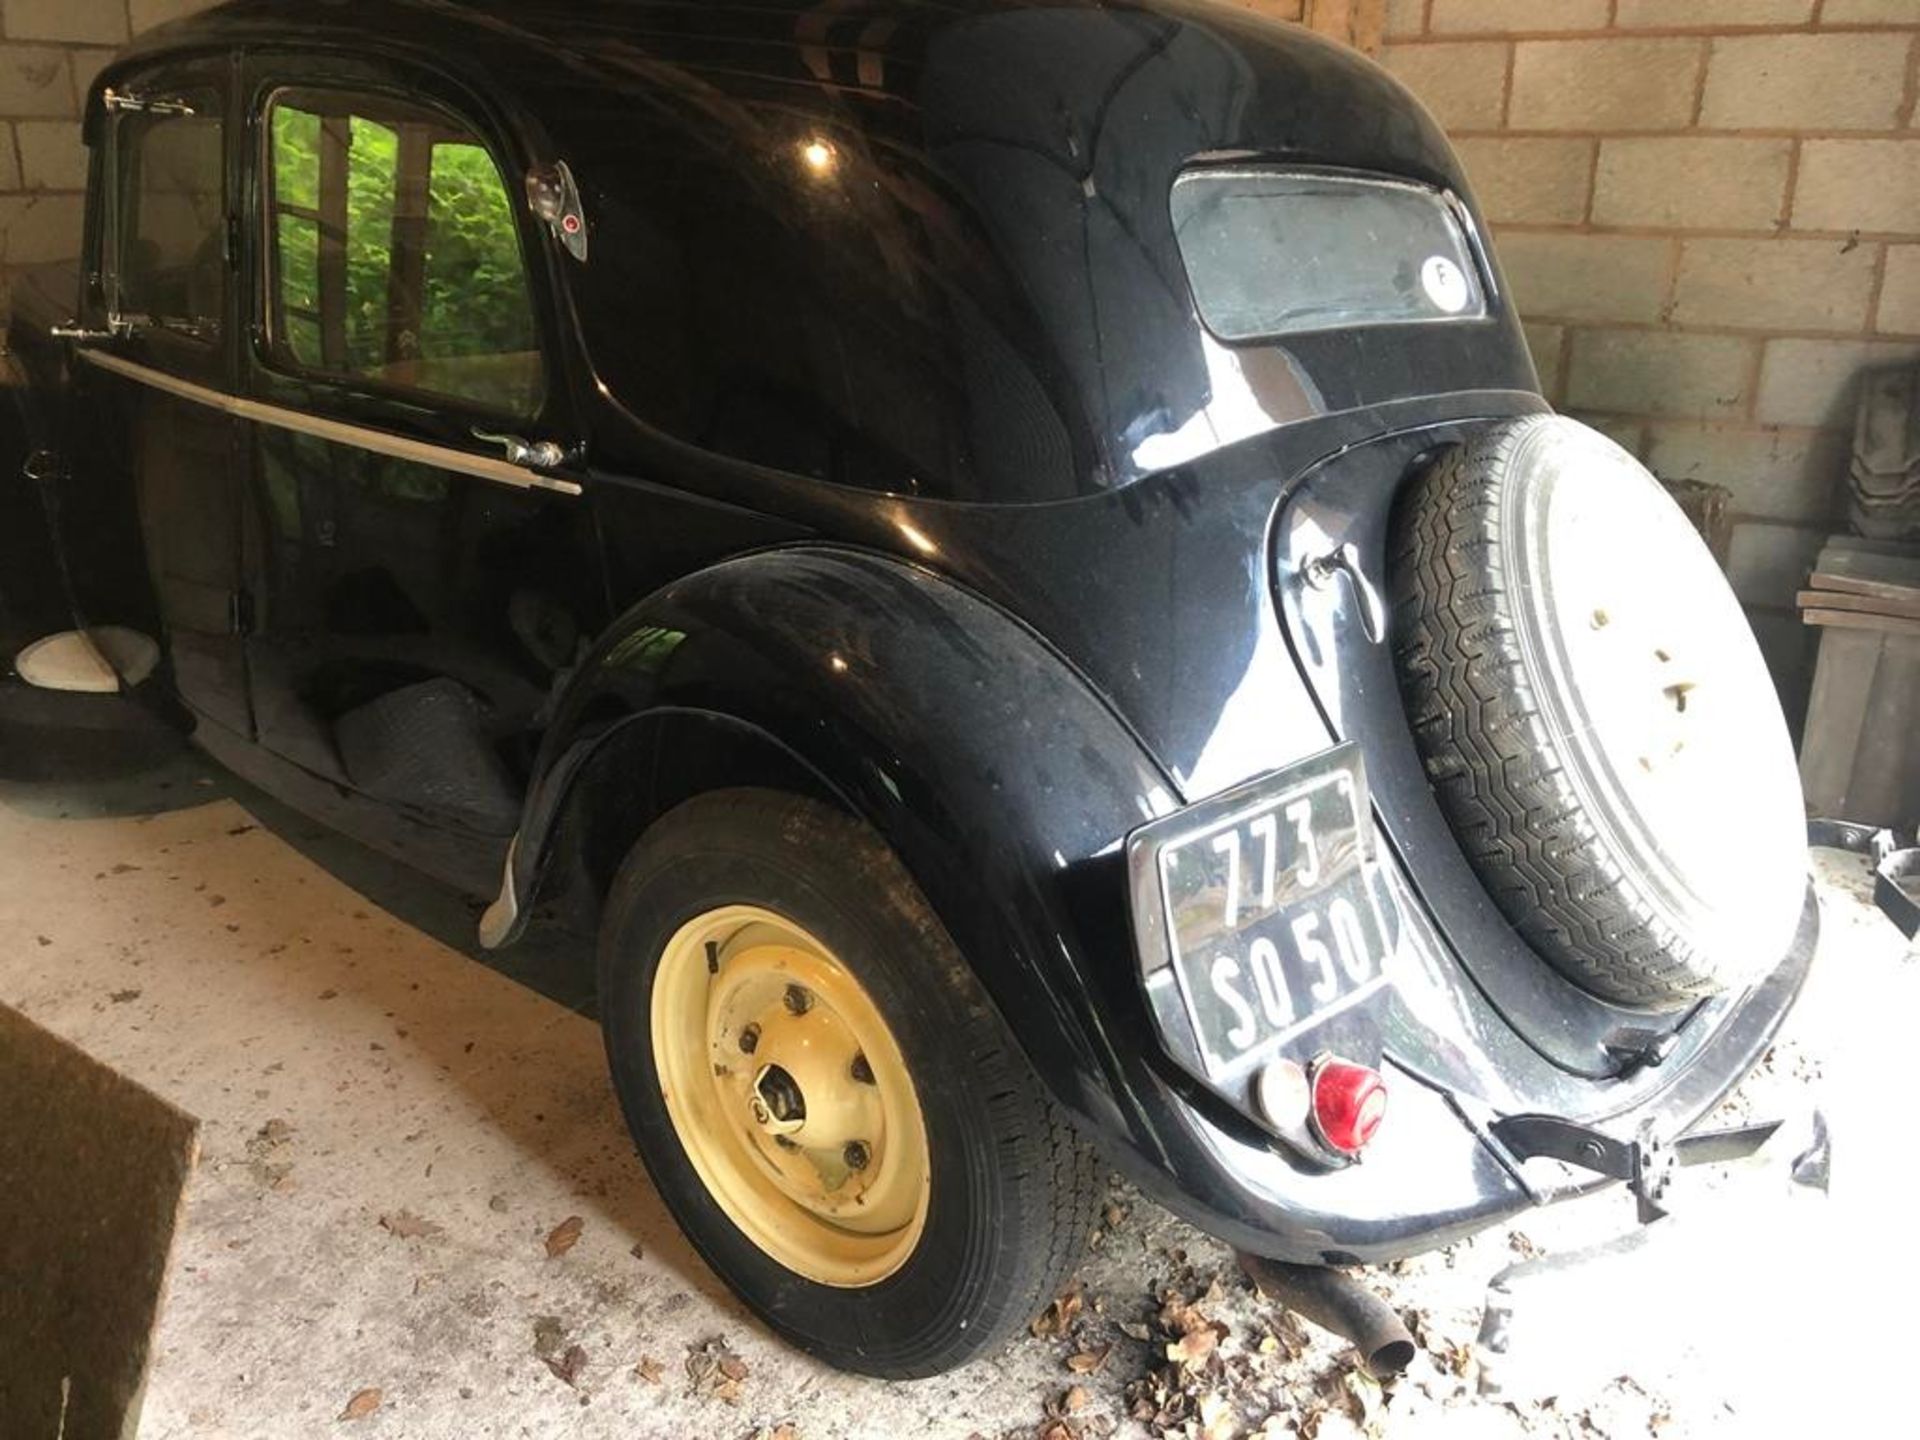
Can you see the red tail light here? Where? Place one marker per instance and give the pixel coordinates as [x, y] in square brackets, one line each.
[1349, 1102]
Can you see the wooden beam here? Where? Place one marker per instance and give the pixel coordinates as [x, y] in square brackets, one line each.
[336, 146]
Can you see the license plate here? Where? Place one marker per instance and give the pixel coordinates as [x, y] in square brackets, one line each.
[1270, 911]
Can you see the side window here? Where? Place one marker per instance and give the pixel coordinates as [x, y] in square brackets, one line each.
[169, 219]
[394, 256]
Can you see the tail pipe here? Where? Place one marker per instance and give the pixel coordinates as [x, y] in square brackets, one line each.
[1335, 1301]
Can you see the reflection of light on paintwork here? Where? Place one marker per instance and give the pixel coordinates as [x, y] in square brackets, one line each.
[838, 664]
[917, 538]
[647, 648]
[1235, 410]
[1264, 724]
[819, 157]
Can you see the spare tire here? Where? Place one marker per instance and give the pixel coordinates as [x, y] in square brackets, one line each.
[1595, 717]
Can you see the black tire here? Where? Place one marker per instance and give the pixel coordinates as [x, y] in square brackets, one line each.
[1012, 1188]
[1650, 876]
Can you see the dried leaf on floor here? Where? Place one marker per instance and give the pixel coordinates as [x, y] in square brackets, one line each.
[1217, 1421]
[569, 1365]
[650, 1370]
[548, 1336]
[1075, 1400]
[363, 1404]
[1085, 1362]
[405, 1225]
[564, 1236]
[1364, 1399]
[714, 1370]
[1058, 1318]
[1193, 1347]
[267, 1158]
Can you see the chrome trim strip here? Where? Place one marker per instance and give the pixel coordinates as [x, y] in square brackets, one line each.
[379, 442]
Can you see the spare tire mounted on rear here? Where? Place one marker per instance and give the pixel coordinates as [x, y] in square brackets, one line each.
[1595, 716]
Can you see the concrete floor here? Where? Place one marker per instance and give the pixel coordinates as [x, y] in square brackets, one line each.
[352, 1057]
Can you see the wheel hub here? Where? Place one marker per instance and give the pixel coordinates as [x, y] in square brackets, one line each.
[790, 1095]
[778, 1106]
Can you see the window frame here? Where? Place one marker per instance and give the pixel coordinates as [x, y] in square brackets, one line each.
[126, 97]
[1483, 273]
[275, 358]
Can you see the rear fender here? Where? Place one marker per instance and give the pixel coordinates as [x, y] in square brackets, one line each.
[1004, 784]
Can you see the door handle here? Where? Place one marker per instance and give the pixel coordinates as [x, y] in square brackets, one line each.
[1324, 570]
[534, 454]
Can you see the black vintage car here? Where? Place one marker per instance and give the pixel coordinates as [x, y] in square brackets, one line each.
[1007, 554]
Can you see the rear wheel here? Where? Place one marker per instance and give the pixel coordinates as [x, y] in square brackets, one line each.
[825, 1097]
[1595, 716]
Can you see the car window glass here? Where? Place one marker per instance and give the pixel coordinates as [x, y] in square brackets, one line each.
[170, 261]
[395, 254]
[1270, 253]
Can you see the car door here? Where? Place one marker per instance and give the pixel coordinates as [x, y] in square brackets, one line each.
[422, 563]
[149, 514]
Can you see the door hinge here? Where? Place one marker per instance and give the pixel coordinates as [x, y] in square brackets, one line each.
[118, 101]
[240, 612]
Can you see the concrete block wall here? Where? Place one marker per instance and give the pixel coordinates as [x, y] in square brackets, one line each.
[50, 50]
[1709, 212]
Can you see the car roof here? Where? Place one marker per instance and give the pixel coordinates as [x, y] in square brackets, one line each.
[510, 40]
[1005, 184]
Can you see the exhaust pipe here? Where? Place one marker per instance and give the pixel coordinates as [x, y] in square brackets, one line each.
[1335, 1301]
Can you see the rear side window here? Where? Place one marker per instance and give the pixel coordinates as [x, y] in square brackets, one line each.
[395, 257]
[1269, 253]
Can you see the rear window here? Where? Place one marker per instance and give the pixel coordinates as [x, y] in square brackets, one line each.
[1269, 253]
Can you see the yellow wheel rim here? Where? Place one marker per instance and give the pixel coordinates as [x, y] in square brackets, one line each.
[790, 1096]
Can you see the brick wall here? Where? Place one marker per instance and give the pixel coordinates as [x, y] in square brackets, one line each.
[1709, 212]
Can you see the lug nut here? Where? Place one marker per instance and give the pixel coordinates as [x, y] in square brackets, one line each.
[862, 1071]
[857, 1156]
[750, 1039]
[799, 999]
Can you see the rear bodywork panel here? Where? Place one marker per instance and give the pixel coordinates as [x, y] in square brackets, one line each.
[917, 468]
